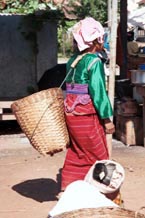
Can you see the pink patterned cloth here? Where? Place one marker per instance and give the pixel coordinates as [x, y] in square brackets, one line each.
[80, 100]
[86, 31]
[77, 96]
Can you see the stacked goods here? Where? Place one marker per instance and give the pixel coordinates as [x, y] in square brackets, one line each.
[129, 129]
[127, 107]
[129, 122]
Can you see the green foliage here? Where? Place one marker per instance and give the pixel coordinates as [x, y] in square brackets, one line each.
[48, 10]
[64, 42]
[24, 6]
[94, 8]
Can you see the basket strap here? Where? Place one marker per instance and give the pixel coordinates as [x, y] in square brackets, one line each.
[75, 62]
[40, 120]
[73, 65]
[66, 77]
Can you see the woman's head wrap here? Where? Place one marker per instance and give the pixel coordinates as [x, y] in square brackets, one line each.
[106, 175]
[86, 31]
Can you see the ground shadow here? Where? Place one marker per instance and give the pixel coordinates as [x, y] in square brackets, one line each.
[41, 190]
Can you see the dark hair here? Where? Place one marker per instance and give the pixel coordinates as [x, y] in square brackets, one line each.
[106, 169]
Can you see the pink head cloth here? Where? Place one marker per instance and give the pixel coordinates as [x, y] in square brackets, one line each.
[86, 31]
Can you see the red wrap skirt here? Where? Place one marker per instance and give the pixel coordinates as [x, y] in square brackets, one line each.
[88, 143]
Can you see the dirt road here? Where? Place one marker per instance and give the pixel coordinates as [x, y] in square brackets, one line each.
[29, 182]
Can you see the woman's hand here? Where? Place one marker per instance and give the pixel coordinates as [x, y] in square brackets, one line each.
[109, 126]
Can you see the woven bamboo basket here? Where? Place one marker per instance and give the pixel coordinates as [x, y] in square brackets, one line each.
[104, 212]
[41, 118]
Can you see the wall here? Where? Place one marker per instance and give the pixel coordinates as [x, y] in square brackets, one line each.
[20, 66]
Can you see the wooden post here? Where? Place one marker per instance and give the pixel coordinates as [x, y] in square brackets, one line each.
[123, 32]
[109, 144]
[112, 67]
[109, 13]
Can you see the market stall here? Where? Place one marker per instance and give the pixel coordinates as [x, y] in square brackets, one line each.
[136, 61]
[130, 111]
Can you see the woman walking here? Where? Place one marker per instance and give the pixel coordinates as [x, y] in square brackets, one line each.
[87, 106]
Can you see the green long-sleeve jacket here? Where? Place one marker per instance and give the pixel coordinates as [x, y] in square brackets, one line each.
[90, 70]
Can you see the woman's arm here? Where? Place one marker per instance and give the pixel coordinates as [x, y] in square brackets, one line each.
[97, 90]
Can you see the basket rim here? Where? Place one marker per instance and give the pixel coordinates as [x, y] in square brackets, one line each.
[75, 213]
[35, 94]
[36, 98]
